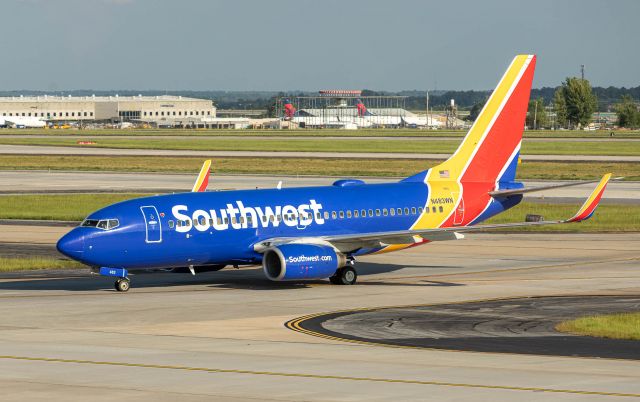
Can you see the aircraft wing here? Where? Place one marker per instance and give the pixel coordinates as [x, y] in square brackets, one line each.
[506, 193]
[352, 242]
[203, 178]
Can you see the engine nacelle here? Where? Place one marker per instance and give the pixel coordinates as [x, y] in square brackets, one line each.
[294, 261]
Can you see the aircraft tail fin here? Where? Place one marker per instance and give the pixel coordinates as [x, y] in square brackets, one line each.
[490, 150]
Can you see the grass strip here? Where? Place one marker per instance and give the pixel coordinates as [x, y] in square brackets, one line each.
[618, 148]
[8, 264]
[381, 132]
[614, 326]
[607, 218]
[66, 207]
[302, 166]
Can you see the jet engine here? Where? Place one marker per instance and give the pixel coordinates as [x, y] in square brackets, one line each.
[288, 262]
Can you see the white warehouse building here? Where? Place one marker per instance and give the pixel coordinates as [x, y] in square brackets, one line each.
[164, 110]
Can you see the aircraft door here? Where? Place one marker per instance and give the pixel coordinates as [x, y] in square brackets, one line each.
[458, 214]
[152, 223]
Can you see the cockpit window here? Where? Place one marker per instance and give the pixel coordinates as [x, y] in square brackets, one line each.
[104, 224]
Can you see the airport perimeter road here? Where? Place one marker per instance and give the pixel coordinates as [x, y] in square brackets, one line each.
[42, 181]
[53, 150]
[221, 336]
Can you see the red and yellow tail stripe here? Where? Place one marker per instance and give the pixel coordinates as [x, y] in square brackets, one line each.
[591, 203]
[203, 178]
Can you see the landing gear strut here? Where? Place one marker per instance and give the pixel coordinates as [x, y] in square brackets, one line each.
[344, 276]
[122, 284]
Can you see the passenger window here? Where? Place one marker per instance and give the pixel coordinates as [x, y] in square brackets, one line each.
[349, 214]
[377, 212]
[341, 214]
[392, 211]
[371, 213]
[384, 212]
[333, 215]
[249, 221]
[420, 210]
[264, 218]
[326, 215]
[226, 221]
[219, 221]
[271, 218]
[440, 208]
[170, 224]
[433, 209]
[426, 210]
[242, 219]
[203, 221]
[355, 213]
[399, 211]
[413, 211]
[406, 211]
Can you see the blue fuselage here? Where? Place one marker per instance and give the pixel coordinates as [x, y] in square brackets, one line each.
[207, 228]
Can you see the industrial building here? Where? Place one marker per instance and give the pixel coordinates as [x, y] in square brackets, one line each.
[158, 110]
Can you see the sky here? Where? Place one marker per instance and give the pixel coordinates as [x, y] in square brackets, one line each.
[266, 45]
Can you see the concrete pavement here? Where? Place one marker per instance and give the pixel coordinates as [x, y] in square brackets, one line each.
[221, 335]
[54, 181]
[54, 150]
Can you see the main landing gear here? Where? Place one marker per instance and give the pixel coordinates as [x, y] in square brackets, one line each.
[122, 284]
[344, 276]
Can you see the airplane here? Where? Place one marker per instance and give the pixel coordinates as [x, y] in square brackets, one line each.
[306, 233]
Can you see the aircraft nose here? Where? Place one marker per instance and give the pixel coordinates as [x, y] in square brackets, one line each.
[71, 244]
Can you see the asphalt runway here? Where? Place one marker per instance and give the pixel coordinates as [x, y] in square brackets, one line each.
[59, 150]
[16, 182]
[67, 335]
[522, 325]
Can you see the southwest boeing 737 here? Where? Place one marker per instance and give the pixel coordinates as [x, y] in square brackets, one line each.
[318, 232]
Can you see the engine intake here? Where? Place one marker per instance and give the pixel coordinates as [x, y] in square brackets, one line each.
[290, 262]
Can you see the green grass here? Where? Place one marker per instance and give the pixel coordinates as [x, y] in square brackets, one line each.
[607, 218]
[301, 166]
[8, 264]
[316, 133]
[67, 207]
[75, 207]
[614, 326]
[320, 145]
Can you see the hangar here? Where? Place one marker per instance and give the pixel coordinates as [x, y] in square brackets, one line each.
[164, 109]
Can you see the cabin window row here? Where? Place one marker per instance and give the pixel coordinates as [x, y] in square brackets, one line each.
[362, 213]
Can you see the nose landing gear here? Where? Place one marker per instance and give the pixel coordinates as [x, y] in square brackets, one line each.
[122, 284]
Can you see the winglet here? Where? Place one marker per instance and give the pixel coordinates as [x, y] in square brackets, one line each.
[592, 202]
[203, 178]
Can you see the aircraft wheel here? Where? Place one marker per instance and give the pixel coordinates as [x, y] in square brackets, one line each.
[344, 276]
[122, 285]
